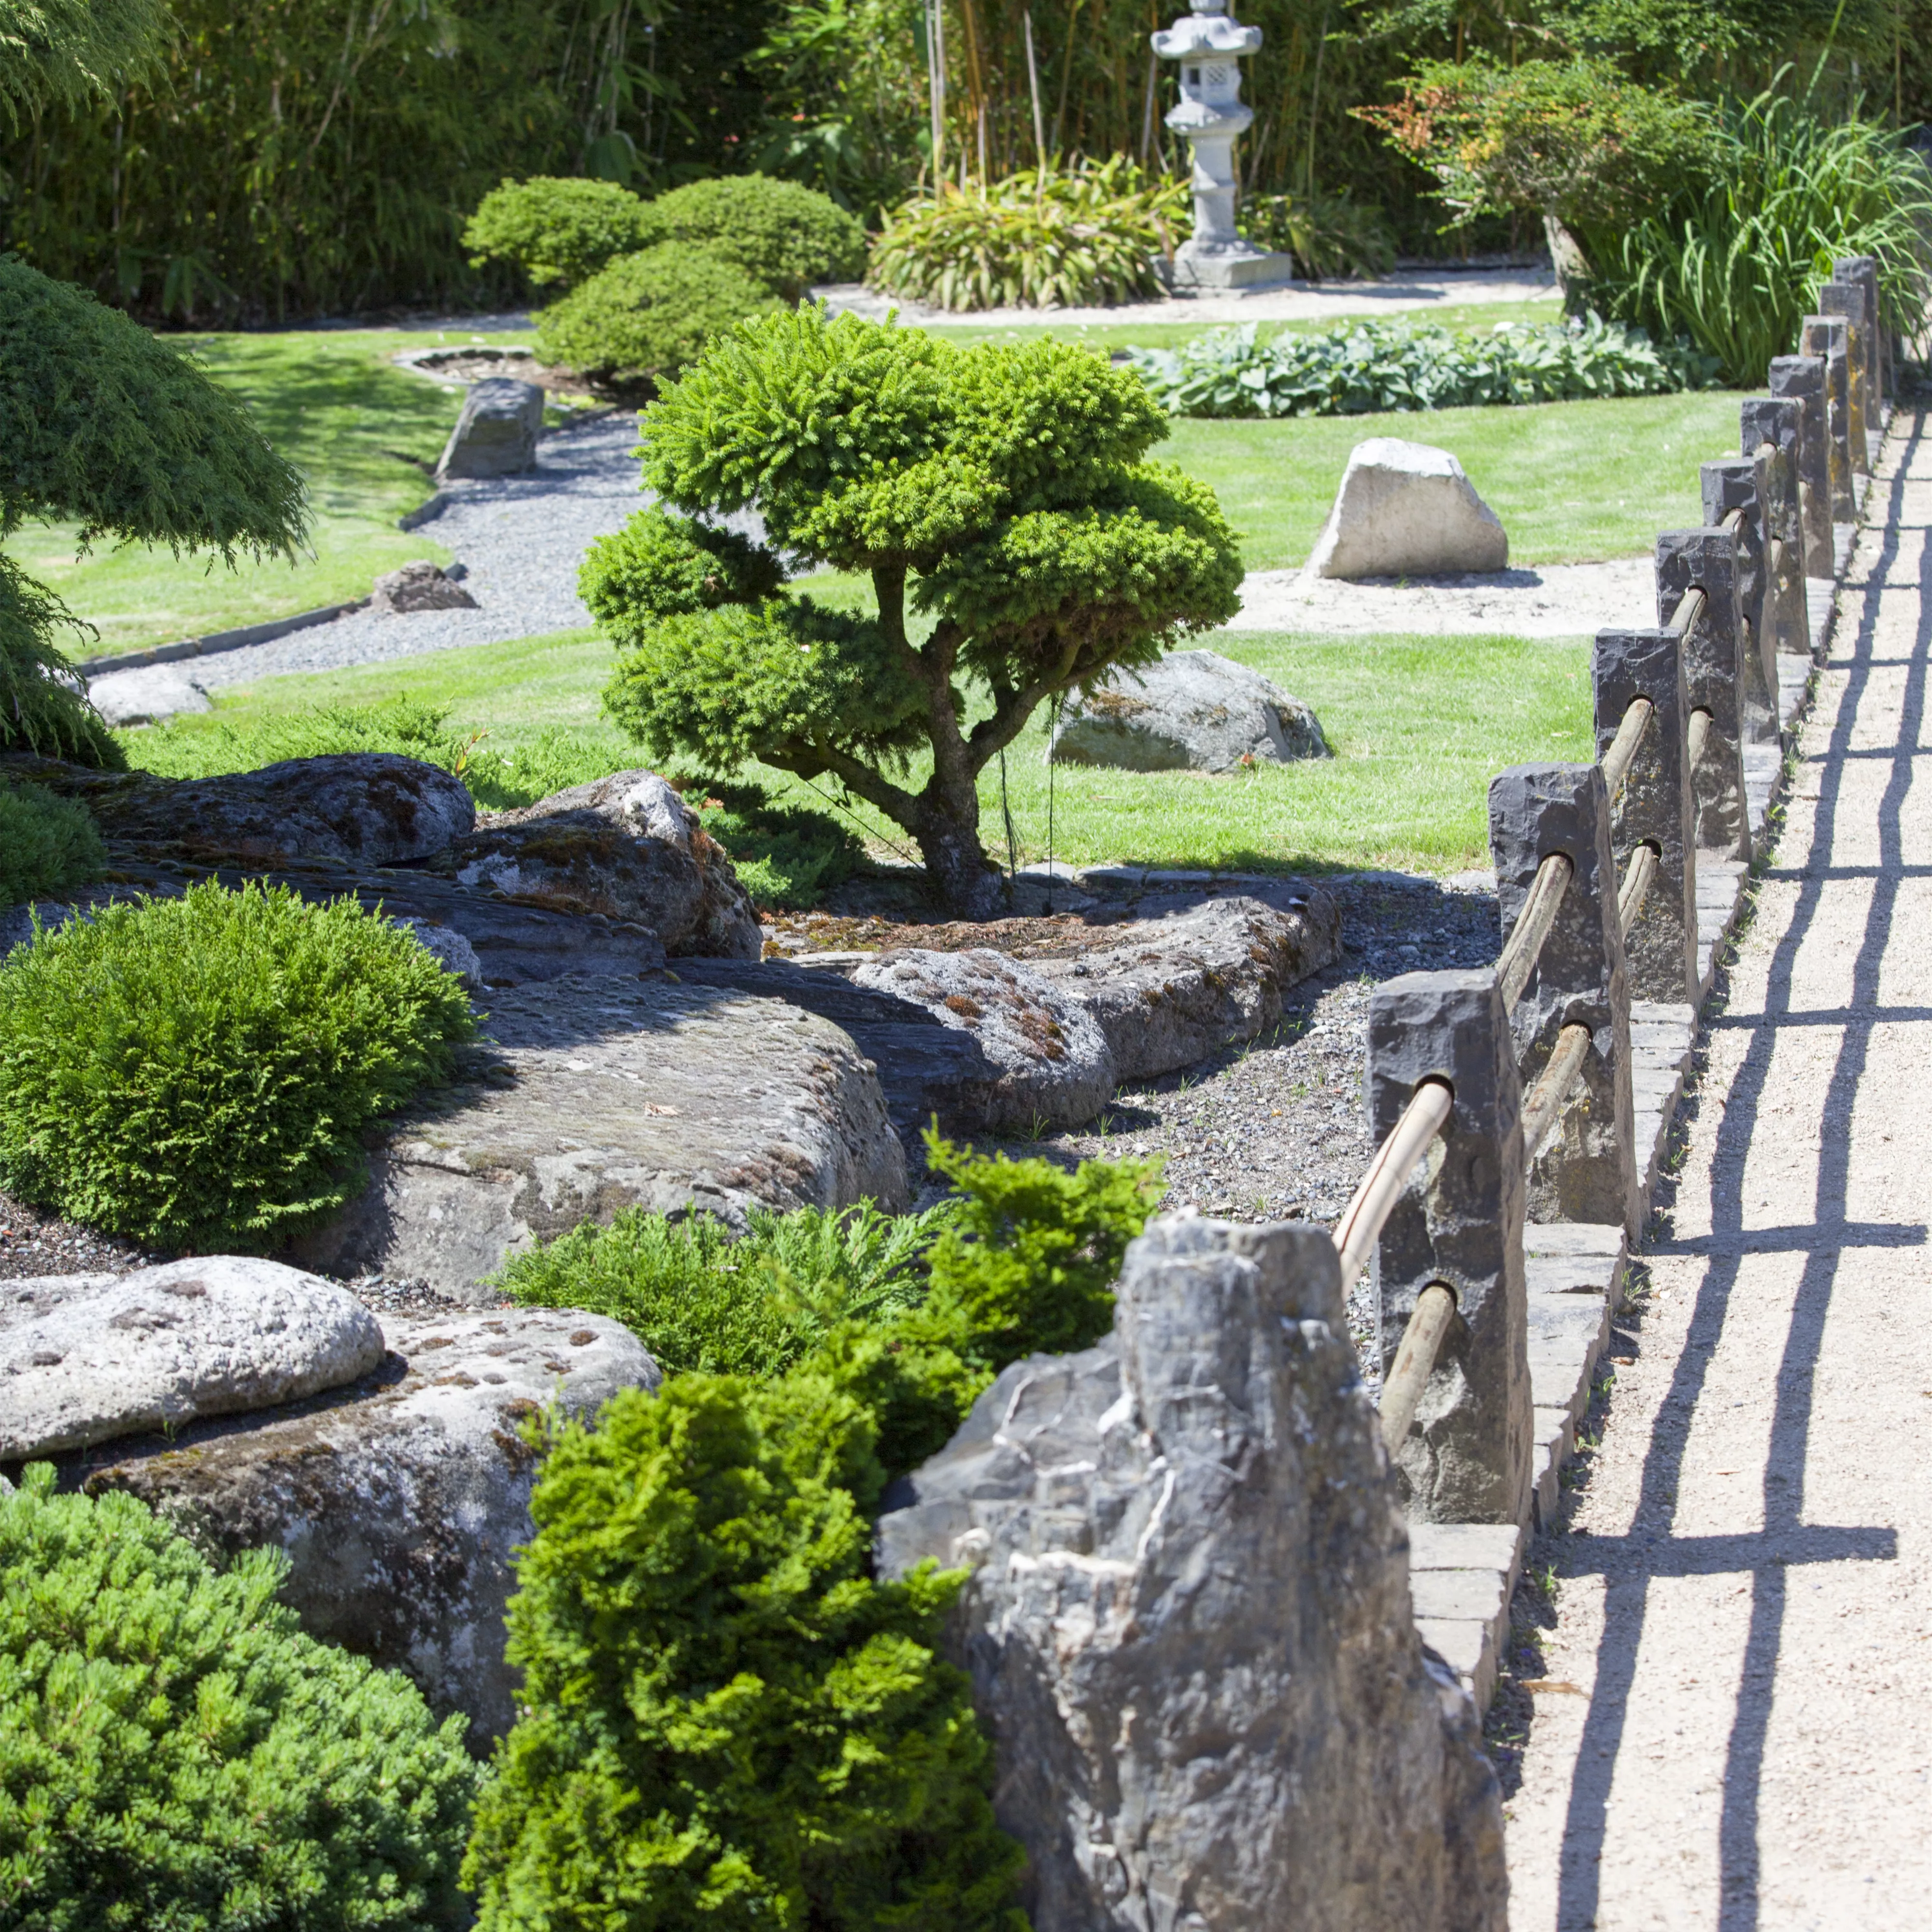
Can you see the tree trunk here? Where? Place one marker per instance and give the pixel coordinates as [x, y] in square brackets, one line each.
[1568, 259]
[958, 874]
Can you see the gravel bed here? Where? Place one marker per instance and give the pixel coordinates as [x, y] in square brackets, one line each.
[520, 540]
[34, 1242]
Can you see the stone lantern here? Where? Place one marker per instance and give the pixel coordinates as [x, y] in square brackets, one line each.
[1209, 43]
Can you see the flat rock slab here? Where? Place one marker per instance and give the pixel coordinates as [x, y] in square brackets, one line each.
[153, 1349]
[1406, 509]
[1051, 1059]
[1191, 711]
[400, 1503]
[1177, 986]
[598, 1094]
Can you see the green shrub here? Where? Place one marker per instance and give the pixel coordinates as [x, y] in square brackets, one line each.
[1328, 235]
[174, 1753]
[200, 1070]
[752, 1306]
[557, 757]
[784, 235]
[725, 1719]
[1358, 367]
[648, 315]
[559, 231]
[1077, 237]
[46, 844]
[1738, 266]
[784, 855]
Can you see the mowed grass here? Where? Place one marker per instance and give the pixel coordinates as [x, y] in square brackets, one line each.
[1419, 726]
[361, 431]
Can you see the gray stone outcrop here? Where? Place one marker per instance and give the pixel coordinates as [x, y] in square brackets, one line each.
[1180, 985]
[1191, 711]
[1187, 1620]
[597, 1094]
[146, 694]
[495, 433]
[626, 846]
[1051, 1058]
[1406, 509]
[420, 586]
[400, 1503]
[212, 1335]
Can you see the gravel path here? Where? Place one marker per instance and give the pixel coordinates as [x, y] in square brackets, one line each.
[520, 540]
[1730, 1722]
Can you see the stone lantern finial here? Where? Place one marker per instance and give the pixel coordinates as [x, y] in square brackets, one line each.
[1208, 43]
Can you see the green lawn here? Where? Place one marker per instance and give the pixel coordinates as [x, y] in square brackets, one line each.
[361, 430]
[1419, 727]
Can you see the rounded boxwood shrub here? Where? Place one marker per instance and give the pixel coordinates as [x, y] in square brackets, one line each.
[559, 231]
[46, 843]
[175, 1752]
[198, 1071]
[786, 236]
[648, 314]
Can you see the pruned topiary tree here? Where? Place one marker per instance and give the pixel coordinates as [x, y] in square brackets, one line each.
[102, 425]
[1018, 546]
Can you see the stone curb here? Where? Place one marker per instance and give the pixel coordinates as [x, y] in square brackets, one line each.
[217, 641]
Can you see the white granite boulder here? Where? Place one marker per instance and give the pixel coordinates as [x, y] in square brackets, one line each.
[400, 1503]
[496, 434]
[1193, 711]
[153, 1349]
[1052, 1062]
[1407, 509]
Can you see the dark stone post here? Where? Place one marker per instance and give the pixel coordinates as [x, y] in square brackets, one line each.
[1655, 809]
[1739, 483]
[1802, 379]
[1848, 299]
[1825, 335]
[1713, 679]
[1587, 1170]
[1863, 269]
[1774, 426]
[1459, 1221]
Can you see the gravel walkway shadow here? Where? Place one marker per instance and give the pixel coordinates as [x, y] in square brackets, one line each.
[1744, 1619]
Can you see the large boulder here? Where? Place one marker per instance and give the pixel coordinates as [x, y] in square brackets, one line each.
[1187, 1620]
[627, 846]
[1051, 1061]
[368, 809]
[401, 1503]
[153, 1349]
[1193, 711]
[597, 1094]
[1184, 983]
[496, 432]
[146, 694]
[1405, 509]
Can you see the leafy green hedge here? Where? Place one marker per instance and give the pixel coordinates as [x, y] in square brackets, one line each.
[1361, 367]
[726, 1720]
[46, 843]
[174, 1753]
[784, 235]
[199, 1070]
[560, 231]
[648, 315]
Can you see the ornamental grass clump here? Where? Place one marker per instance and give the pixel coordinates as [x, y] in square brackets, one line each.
[1360, 368]
[198, 1072]
[1075, 237]
[47, 843]
[726, 1720]
[649, 315]
[174, 1752]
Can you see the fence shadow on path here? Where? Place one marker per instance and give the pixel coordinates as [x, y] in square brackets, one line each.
[1628, 1563]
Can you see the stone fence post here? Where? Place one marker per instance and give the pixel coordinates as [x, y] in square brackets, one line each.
[1775, 425]
[1848, 299]
[1706, 560]
[1655, 809]
[1459, 1221]
[1802, 380]
[1864, 270]
[1743, 483]
[1587, 1170]
[1826, 336]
